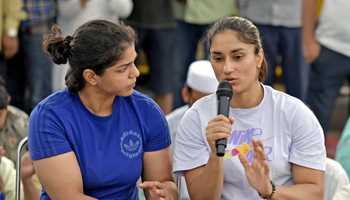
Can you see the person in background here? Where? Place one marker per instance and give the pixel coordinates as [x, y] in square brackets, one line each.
[275, 145]
[343, 194]
[193, 18]
[201, 81]
[342, 153]
[280, 25]
[7, 177]
[35, 67]
[13, 124]
[335, 178]
[154, 23]
[10, 17]
[73, 13]
[327, 49]
[99, 136]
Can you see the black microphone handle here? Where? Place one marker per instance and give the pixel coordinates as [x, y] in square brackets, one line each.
[223, 108]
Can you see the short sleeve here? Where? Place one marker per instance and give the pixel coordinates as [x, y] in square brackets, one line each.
[157, 130]
[307, 148]
[47, 137]
[191, 149]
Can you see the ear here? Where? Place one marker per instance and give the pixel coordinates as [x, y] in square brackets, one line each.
[185, 94]
[90, 76]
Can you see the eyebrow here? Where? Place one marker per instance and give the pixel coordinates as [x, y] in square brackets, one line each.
[233, 51]
[125, 64]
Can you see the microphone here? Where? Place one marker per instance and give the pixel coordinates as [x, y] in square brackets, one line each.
[224, 94]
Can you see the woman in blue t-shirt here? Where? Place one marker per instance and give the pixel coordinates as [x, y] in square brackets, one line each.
[96, 138]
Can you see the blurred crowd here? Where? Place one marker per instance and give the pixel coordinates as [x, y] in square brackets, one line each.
[308, 40]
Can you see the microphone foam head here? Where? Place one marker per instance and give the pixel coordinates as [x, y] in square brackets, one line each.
[224, 89]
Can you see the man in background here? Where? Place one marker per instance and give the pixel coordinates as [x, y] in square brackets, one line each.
[201, 81]
[10, 17]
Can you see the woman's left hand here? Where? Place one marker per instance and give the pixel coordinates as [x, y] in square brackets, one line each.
[158, 190]
[258, 171]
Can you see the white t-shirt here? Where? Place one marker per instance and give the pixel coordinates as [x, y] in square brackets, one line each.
[288, 129]
[335, 178]
[174, 119]
[343, 194]
[333, 29]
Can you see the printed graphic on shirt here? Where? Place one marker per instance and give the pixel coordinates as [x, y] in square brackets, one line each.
[131, 144]
[241, 142]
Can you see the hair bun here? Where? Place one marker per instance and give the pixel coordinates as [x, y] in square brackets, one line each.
[60, 50]
[57, 46]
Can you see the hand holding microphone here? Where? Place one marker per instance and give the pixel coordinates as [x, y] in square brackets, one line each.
[219, 128]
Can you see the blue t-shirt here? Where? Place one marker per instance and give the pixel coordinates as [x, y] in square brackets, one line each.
[109, 149]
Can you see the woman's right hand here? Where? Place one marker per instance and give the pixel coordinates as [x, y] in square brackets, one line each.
[218, 128]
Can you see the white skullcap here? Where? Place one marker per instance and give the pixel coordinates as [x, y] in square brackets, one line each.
[201, 77]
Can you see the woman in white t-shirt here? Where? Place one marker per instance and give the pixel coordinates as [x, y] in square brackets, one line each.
[275, 145]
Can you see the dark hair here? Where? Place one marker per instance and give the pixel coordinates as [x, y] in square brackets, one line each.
[95, 45]
[247, 31]
[4, 95]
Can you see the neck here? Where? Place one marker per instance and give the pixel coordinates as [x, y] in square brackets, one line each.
[250, 98]
[96, 102]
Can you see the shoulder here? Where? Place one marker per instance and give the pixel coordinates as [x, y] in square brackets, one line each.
[16, 112]
[285, 102]
[17, 116]
[292, 111]
[144, 103]
[205, 102]
[58, 102]
[177, 113]
[201, 111]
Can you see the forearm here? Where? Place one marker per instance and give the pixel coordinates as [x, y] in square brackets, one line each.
[309, 19]
[30, 191]
[209, 182]
[299, 192]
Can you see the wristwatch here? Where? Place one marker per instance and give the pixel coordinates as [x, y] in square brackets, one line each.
[269, 197]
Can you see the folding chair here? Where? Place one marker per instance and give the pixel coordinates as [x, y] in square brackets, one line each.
[22, 144]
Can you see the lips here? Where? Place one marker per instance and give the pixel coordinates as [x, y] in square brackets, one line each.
[232, 80]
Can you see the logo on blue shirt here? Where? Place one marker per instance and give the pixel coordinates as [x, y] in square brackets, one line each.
[131, 144]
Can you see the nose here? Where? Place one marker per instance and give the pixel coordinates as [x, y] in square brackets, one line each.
[228, 67]
[134, 71]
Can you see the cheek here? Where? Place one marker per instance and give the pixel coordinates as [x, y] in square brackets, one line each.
[250, 69]
[217, 70]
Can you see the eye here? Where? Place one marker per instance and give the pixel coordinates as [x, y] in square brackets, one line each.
[238, 57]
[122, 69]
[217, 59]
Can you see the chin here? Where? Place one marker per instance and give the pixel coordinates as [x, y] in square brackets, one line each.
[126, 93]
[237, 89]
